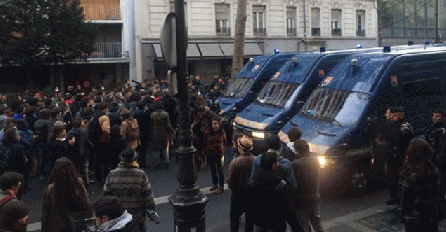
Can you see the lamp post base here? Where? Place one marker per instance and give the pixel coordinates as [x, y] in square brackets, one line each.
[189, 207]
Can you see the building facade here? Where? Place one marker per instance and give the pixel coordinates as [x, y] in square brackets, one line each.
[411, 20]
[287, 25]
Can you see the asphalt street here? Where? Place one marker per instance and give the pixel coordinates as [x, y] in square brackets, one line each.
[338, 212]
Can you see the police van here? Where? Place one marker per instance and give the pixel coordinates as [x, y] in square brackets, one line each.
[249, 81]
[335, 118]
[245, 86]
[284, 94]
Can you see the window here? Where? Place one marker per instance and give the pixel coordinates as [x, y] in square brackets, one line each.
[336, 22]
[360, 23]
[315, 22]
[335, 105]
[276, 93]
[258, 13]
[291, 21]
[222, 26]
[239, 87]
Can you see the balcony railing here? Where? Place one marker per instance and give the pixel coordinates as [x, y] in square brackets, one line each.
[291, 31]
[107, 50]
[360, 32]
[102, 11]
[336, 32]
[315, 31]
[259, 31]
[223, 31]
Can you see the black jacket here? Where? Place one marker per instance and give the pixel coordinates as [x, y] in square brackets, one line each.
[269, 203]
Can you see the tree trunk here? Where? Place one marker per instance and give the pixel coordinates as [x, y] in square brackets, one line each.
[239, 39]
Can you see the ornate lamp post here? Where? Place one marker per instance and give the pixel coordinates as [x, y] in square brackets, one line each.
[188, 202]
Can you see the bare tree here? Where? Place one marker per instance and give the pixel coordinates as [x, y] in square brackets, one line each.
[239, 39]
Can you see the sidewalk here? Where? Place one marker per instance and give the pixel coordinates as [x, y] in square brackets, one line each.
[376, 219]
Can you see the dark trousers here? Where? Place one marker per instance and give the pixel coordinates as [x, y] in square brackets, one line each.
[238, 207]
[415, 227]
[102, 164]
[218, 179]
[44, 159]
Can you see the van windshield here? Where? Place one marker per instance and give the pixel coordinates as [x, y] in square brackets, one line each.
[239, 87]
[335, 105]
[276, 93]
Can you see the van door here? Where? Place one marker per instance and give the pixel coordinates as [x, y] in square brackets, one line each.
[423, 90]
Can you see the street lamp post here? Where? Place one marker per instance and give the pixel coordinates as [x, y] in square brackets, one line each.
[188, 202]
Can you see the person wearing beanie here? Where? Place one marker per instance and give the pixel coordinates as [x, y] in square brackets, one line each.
[238, 174]
[130, 184]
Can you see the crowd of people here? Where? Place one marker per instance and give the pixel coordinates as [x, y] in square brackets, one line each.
[108, 136]
[413, 166]
[99, 135]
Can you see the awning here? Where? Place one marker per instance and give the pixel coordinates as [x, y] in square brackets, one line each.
[192, 51]
[210, 50]
[158, 51]
[198, 50]
[250, 49]
[227, 48]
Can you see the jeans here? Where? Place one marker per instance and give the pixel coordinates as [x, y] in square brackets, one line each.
[218, 179]
[310, 218]
[163, 154]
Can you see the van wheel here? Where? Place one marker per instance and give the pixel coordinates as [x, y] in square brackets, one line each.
[358, 182]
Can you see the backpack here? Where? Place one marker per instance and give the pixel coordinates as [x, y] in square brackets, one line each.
[132, 133]
[214, 105]
[4, 156]
[94, 129]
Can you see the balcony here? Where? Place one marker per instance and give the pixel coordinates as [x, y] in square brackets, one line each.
[291, 31]
[101, 11]
[336, 32]
[107, 50]
[223, 31]
[315, 31]
[259, 31]
[360, 32]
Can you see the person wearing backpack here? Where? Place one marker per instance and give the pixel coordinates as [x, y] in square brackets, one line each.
[130, 129]
[213, 102]
[98, 136]
[10, 182]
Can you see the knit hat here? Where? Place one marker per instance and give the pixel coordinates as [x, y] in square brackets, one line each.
[245, 143]
[128, 155]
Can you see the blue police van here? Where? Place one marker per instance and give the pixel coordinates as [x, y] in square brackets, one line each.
[284, 94]
[244, 87]
[335, 119]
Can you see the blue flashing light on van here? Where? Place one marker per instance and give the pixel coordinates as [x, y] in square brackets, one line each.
[335, 119]
[284, 94]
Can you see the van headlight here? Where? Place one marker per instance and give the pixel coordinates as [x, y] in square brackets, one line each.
[259, 135]
[322, 161]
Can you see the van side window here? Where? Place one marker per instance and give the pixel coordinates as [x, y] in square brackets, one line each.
[422, 91]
